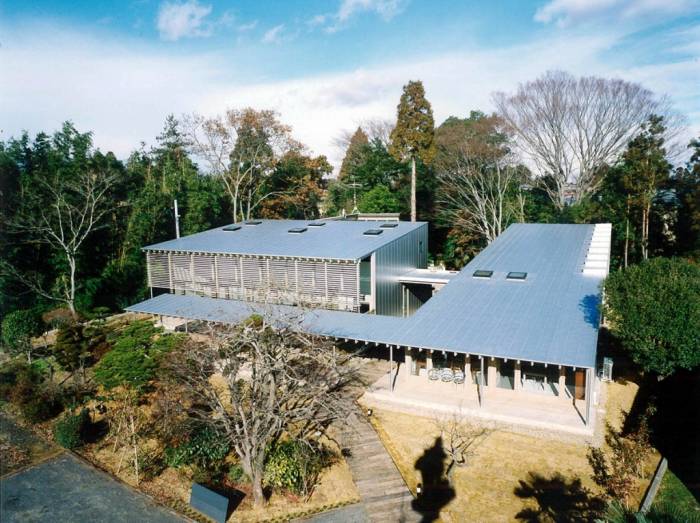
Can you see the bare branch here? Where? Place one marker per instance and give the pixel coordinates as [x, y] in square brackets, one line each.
[568, 128]
[261, 380]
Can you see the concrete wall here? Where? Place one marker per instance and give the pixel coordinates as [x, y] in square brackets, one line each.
[403, 254]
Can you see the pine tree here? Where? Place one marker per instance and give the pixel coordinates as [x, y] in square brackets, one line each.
[353, 154]
[412, 138]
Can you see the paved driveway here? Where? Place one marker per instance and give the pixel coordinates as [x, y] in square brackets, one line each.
[64, 489]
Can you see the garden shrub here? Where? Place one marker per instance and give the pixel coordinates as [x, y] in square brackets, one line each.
[204, 448]
[22, 385]
[57, 318]
[294, 466]
[236, 474]
[18, 328]
[70, 430]
[135, 355]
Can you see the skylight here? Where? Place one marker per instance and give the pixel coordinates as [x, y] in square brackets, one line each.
[253, 222]
[389, 225]
[231, 228]
[482, 274]
[317, 224]
[297, 230]
[516, 275]
[373, 232]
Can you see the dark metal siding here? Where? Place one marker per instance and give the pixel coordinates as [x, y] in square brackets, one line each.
[410, 251]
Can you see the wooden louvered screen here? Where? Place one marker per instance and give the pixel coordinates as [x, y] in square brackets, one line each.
[327, 284]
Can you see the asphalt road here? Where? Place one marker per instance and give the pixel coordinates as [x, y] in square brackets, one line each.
[64, 489]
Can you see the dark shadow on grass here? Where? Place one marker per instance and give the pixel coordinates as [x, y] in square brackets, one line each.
[436, 491]
[94, 432]
[558, 499]
[676, 423]
[235, 497]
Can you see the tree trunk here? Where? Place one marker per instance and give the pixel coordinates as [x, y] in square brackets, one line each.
[258, 494]
[627, 232]
[71, 298]
[645, 232]
[413, 189]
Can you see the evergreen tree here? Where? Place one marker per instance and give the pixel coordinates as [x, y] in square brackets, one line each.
[686, 184]
[354, 155]
[646, 169]
[412, 138]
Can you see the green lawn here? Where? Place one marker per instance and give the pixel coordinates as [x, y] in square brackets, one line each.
[674, 493]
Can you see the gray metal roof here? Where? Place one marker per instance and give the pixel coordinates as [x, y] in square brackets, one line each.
[550, 317]
[337, 239]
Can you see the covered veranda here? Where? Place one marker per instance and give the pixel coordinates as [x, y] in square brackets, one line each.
[528, 394]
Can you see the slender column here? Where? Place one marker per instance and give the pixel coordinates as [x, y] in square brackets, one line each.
[467, 369]
[408, 358]
[429, 360]
[562, 382]
[216, 275]
[391, 368]
[170, 271]
[492, 378]
[481, 383]
[589, 396]
[193, 288]
[517, 380]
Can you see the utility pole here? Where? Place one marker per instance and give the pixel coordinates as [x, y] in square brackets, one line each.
[354, 186]
[177, 221]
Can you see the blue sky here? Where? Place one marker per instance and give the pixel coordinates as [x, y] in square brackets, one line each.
[119, 68]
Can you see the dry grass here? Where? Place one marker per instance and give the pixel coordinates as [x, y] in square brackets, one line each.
[335, 484]
[485, 490]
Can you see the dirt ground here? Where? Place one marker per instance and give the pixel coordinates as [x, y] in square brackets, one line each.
[335, 487]
[509, 475]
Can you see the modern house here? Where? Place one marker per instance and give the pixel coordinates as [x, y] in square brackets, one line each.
[516, 329]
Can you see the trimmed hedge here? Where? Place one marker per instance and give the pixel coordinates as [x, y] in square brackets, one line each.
[69, 431]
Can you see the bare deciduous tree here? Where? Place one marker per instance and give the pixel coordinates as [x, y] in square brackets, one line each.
[241, 148]
[568, 128]
[62, 212]
[459, 439]
[127, 428]
[479, 196]
[262, 380]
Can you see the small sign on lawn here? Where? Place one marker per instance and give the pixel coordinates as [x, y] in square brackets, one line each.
[209, 503]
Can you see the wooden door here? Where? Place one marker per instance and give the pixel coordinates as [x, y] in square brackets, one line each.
[580, 385]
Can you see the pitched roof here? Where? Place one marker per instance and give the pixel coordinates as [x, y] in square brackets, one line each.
[336, 239]
[550, 317]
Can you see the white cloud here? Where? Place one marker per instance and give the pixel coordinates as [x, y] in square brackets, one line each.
[273, 35]
[566, 12]
[247, 27]
[387, 9]
[183, 20]
[123, 91]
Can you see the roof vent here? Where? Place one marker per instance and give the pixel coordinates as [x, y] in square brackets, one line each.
[520, 276]
[317, 224]
[373, 232]
[389, 225]
[297, 230]
[482, 274]
[231, 228]
[253, 222]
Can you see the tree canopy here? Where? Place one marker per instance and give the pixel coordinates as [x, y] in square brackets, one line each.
[654, 309]
[413, 136]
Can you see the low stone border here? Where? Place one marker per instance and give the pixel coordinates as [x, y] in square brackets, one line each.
[185, 509]
[653, 488]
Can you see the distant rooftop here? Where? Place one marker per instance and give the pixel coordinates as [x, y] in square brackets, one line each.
[551, 316]
[330, 239]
